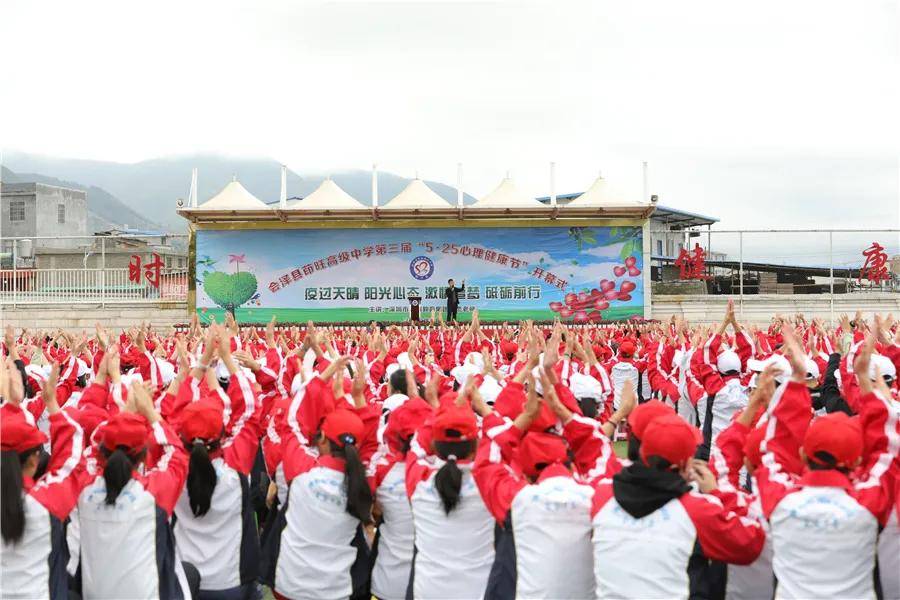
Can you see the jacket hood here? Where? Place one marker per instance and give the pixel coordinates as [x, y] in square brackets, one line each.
[641, 490]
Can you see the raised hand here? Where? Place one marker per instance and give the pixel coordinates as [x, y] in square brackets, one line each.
[48, 391]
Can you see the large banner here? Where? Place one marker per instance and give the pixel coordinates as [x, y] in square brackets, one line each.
[580, 274]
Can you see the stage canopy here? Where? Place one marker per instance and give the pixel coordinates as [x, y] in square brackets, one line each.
[416, 195]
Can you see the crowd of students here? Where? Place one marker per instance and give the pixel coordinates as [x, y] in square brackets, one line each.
[453, 461]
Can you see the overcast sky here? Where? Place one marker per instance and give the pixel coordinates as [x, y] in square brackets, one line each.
[762, 113]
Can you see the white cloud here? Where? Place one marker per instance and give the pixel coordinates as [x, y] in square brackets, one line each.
[696, 87]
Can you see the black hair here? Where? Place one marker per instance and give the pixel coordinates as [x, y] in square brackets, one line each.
[201, 479]
[825, 461]
[398, 382]
[117, 472]
[588, 407]
[449, 280]
[359, 494]
[12, 499]
[634, 448]
[448, 479]
[658, 462]
[43, 463]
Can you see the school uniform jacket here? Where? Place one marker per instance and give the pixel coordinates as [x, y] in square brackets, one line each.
[453, 553]
[825, 525]
[548, 521]
[224, 543]
[34, 567]
[396, 533]
[756, 580]
[651, 556]
[309, 552]
[127, 550]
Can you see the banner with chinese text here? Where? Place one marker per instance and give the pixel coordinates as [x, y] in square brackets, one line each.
[580, 274]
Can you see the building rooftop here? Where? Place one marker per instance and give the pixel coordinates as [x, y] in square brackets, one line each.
[672, 216]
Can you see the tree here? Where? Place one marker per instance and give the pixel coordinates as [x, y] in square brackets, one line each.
[229, 290]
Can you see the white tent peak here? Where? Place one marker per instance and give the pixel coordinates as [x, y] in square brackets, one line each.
[328, 196]
[234, 196]
[416, 194]
[507, 195]
[602, 194]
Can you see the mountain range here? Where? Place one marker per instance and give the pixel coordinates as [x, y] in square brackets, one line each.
[144, 194]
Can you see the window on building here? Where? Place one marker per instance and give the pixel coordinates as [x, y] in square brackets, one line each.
[60, 213]
[659, 248]
[17, 210]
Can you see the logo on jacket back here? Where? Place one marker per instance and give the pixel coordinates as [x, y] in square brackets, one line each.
[421, 267]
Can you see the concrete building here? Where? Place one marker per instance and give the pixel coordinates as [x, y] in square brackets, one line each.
[34, 210]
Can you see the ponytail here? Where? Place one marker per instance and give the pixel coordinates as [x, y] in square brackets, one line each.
[201, 479]
[117, 472]
[12, 500]
[448, 480]
[359, 494]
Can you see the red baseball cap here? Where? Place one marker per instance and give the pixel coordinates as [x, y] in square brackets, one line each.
[837, 434]
[508, 348]
[89, 416]
[671, 438]
[125, 429]
[339, 424]
[541, 449]
[644, 413]
[18, 434]
[752, 444]
[201, 420]
[405, 420]
[455, 424]
[545, 419]
[627, 347]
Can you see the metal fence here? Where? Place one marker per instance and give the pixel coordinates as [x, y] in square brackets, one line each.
[118, 269]
[102, 269]
[776, 261]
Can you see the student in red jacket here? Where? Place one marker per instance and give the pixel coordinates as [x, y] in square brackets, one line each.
[126, 545]
[825, 514]
[651, 531]
[215, 526]
[310, 552]
[454, 531]
[32, 511]
[541, 504]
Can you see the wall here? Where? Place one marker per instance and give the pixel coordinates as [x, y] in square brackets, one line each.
[761, 308]
[17, 192]
[697, 309]
[83, 317]
[48, 199]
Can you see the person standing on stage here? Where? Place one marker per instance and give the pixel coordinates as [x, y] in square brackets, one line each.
[452, 294]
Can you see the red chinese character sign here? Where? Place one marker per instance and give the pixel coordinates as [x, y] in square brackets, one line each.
[692, 265]
[151, 270]
[875, 266]
[579, 274]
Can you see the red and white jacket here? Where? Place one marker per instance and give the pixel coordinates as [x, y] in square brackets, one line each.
[825, 525]
[315, 531]
[660, 545]
[35, 567]
[223, 543]
[138, 523]
[549, 521]
[454, 552]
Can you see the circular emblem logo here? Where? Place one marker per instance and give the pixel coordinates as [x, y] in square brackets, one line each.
[421, 268]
